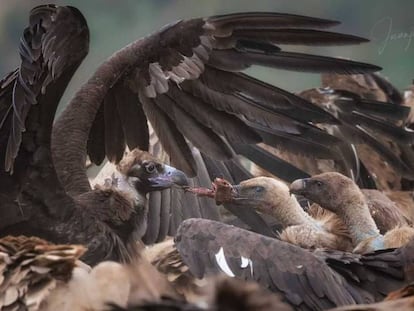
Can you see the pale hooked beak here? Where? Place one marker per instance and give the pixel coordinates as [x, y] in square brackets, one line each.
[299, 186]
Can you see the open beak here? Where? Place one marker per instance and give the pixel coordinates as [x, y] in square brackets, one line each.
[299, 186]
[168, 178]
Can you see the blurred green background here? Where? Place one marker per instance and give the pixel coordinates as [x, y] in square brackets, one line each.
[115, 23]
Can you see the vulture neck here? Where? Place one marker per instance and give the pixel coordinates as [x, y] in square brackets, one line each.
[290, 213]
[355, 213]
[71, 130]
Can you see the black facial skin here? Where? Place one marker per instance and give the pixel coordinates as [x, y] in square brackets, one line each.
[153, 176]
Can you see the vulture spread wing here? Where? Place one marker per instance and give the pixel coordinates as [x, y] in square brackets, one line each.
[186, 80]
[306, 280]
[51, 49]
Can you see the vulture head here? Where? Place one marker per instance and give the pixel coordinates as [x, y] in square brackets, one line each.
[264, 193]
[330, 190]
[146, 174]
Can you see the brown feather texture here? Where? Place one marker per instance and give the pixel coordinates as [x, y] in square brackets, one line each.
[31, 269]
[191, 61]
[306, 280]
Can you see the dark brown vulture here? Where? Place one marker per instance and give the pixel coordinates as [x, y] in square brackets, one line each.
[306, 280]
[108, 220]
[186, 80]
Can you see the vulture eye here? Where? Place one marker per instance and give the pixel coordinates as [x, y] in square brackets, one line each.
[259, 189]
[150, 168]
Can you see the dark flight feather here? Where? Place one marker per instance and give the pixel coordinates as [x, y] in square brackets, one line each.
[114, 135]
[396, 133]
[349, 101]
[223, 123]
[361, 134]
[170, 137]
[272, 98]
[252, 111]
[153, 220]
[274, 165]
[164, 216]
[254, 20]
[96, 140]
[201, 136]
[235, 60]
[132, 118]
[298, 36]
[393, 94]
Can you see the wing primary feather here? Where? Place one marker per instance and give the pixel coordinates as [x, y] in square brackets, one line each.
[271, 97]
[221, 122]
[235, 60]
[297, 36]
[114, 134]
[171, 139]
[398, 134]
[383, 151]
[270, 162]
[393, 94]
[96, 140]
[267, 20]
[199, 135]
[153, 219]
[133, 120]
[165, 211]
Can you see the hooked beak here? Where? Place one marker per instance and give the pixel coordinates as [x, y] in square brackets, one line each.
[238, 198]
[168, 178]
[299, 186]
